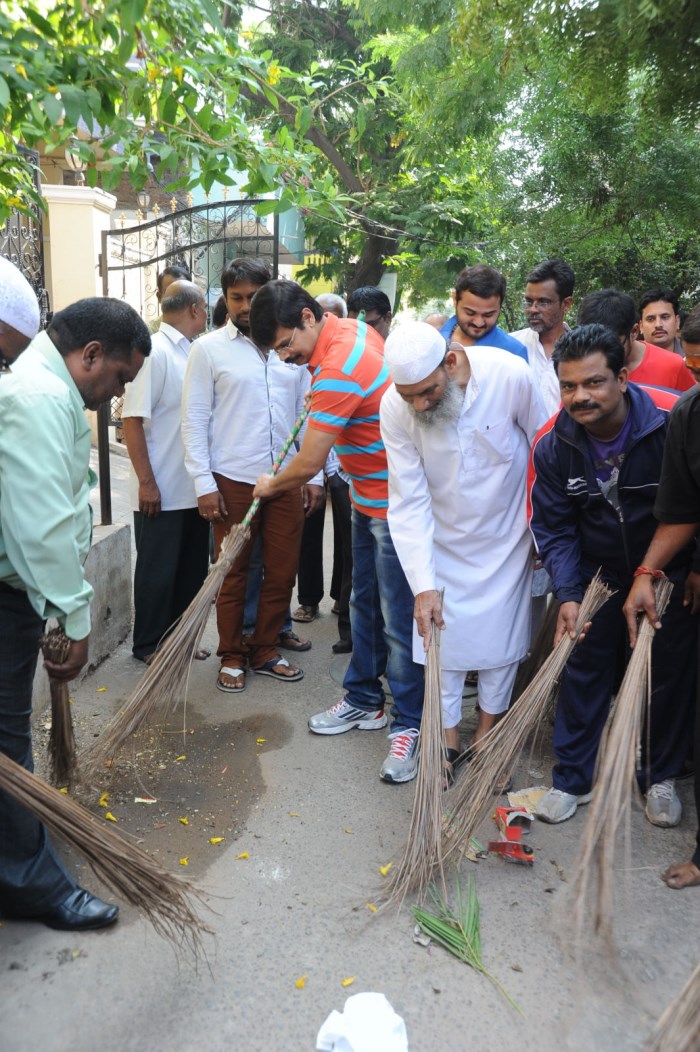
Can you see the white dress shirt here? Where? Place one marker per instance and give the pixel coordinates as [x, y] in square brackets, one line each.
[238, 407]
[542, 367]
[156, 396]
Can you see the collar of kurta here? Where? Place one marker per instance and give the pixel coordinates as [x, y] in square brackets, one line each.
[326, 336]
[174, 335]
[44, 345]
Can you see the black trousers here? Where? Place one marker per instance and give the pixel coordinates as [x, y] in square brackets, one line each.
[590, 678]
[696, 751]
[341, 583]
[32, 877]
[310, 573]
[172, 559]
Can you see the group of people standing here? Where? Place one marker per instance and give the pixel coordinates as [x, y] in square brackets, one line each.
[446, 446]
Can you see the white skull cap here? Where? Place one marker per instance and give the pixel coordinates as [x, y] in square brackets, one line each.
[19, 306]
[413, 351]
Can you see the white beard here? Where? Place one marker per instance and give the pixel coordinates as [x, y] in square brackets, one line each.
[443, 412]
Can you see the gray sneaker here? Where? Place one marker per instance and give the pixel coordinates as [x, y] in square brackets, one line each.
[343, 717]
[663, 806]
[556, 805]
[401, 765]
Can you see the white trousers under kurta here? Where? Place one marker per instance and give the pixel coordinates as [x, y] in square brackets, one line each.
[494, 691]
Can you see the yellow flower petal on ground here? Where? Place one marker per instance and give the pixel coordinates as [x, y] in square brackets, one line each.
[243, 854]
[371, 908]
[347, 830]
[294, 814]
[64, 790]
[185, 821]
[110, 817]
[101, 690]
[301, 982]
[260, 741]
[349, 981]
[185, 861]
[178, 758]
[215, 840]
[385, 869]
[104, 800]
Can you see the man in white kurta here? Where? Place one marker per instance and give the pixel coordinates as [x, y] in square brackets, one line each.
[457, 426]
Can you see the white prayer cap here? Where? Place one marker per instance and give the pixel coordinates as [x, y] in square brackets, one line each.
[413, 351]
[19, 306]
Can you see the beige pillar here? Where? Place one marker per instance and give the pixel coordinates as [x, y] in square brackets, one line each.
[77, 215]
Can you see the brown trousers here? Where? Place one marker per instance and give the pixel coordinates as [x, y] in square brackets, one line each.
[280, 523]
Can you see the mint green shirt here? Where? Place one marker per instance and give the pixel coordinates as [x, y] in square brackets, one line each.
[45, 514]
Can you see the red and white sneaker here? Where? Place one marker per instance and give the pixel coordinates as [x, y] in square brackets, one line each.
[401, 765]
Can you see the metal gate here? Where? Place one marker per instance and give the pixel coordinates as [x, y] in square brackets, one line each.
[203, 237]
[22, 242]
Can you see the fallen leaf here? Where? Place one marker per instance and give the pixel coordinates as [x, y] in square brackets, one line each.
[178, 758]
[215, 840]
[243, 854]
[101, 690]
[371, 908]
[347, 830]
[349, 981]
[145, 800]
[185, 861]
[301, 982]
[385, 869]
[110, 817]
[104, 800]
[260, 741]
[185, 821]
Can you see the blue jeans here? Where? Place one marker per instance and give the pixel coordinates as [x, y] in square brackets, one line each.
[381, 618]
[252, 592]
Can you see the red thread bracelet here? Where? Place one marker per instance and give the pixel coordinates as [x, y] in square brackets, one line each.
[641, 571]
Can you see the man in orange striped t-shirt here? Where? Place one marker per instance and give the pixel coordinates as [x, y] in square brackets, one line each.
[349, 378]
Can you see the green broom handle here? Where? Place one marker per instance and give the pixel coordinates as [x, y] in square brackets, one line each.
[278, 463]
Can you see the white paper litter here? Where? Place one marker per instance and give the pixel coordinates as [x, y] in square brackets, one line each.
[368, 1023]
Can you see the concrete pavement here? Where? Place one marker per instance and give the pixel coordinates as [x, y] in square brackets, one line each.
[316, 825]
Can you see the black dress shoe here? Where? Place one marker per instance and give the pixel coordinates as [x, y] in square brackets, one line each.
[81, 911]
[343, 646]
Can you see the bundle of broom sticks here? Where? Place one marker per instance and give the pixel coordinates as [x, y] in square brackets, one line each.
[165, 679]
[128, 870]
[614, 786]
[422, 860]
[678, 1028]
[469, 802]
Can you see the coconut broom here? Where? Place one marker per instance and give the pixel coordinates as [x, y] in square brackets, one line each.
[678, 1028]
[55, 646]
[614, 785]
[471, 799]
[165, 678]
[422, 859]
[128, 870]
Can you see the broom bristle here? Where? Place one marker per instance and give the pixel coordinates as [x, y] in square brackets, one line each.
[678, 1028]
[128, 870]
[165, 679]
[471, 799]
[541, 649]
[614, 785]
[55, 646]
[422, 860]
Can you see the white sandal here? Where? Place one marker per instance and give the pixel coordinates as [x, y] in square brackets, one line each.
[235, 672]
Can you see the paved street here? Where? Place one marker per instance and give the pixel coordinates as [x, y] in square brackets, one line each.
[307, 825]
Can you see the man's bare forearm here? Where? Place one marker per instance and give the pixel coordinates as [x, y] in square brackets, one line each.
[667, 542]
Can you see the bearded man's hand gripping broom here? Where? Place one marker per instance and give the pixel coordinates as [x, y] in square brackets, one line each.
[165, 679]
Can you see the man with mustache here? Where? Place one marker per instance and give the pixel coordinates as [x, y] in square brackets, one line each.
[659, 319]
[457, 425]
[594, 474]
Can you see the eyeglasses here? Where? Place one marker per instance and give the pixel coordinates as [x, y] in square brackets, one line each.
[541, 303]
[692, 361]
[287, 346]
